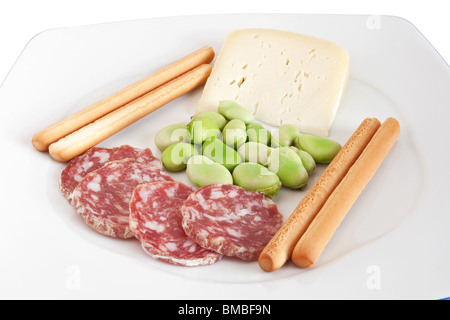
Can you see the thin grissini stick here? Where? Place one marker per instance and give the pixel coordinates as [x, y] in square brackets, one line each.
[313, 242]
[79, 141]
[279, 248]
[53, 133]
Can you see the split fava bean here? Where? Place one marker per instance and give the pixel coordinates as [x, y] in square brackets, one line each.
[255, 177]
[232, 110]
[288, 167]
[257, 133]
[285, 135]
[203, 171]
[231, 141]
[234, 133]
[202, 129]
[176, 155]
[172, 133]
[323, 150]
[219, 152]
[255, 152]
[214, 116]
[307, 160]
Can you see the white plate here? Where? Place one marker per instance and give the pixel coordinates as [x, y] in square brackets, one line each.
[393, 244]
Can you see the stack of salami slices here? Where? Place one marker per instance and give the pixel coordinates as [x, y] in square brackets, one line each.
[123, 193]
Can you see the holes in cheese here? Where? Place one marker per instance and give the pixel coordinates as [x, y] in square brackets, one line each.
[281, 77]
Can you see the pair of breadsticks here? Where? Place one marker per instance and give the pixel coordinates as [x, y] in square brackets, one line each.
[307, 231]
[74, 135]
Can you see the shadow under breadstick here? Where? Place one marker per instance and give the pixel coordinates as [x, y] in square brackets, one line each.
[280, 248]
[44, 138]
[313, 241]
[90, 135]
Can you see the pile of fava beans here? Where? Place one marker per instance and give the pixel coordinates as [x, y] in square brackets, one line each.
[229, 147]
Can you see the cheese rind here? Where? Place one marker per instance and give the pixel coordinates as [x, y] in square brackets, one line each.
[281, 77]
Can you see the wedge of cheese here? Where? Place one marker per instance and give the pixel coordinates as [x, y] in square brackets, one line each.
[281, 77]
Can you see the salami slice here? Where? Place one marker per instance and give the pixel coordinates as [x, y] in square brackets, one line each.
[78, 167]
[231, 221]
[140, 155]
[96, 158]
[155, 220]
[102, 197]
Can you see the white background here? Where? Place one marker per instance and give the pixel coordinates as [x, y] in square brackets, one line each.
[20, 20]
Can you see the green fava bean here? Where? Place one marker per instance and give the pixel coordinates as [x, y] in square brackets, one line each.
[234, 133]
[256, 177]
[202, 129]
[285, 135]
[232, 110]
[219, 152]
[173, 133]
[288, 167]
[257, 133]
[202, 171]
[175, 156]
[255, 152]
[214, 116]
[323, 150]
[307, 160]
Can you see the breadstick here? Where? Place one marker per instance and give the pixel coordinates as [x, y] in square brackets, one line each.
[79, 141]
[45, 137]
[324, 225]
[280, 247]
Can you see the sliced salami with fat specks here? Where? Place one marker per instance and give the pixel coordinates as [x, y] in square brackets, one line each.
[96, 158]
[155, 220]
[231, 221]
[103, 196]
[78, 167]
